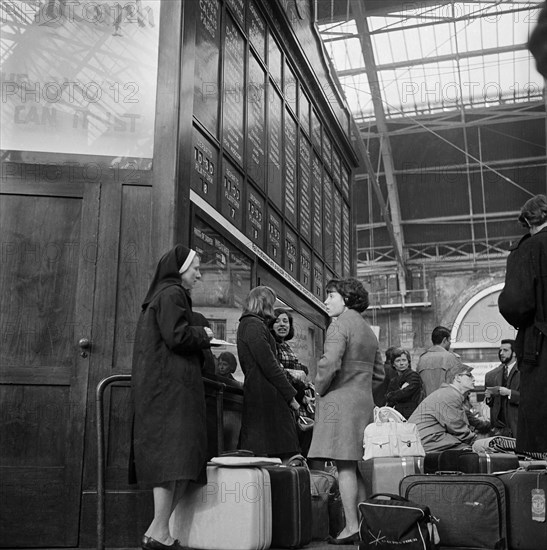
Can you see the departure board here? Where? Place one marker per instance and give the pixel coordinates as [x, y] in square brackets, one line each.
[291, 156]
[315, 131]
[345, 181]
[304, 112]
[318, 282]
[337, 231]
[305, 266]
[291, 252]
[233, 92]
[317, 203]
[274, 237]
[238, 9]
[327, 151]
[290, 88]
[275, 142]
[231, 206]
[328, 219]
[305, 188]
[204, 175]
[255, 216]
[257, 30]
[346, 240]
[274, 61]
[256, 123]
[206, 72]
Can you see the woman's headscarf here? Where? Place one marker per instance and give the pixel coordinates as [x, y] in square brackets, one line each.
[168, 271]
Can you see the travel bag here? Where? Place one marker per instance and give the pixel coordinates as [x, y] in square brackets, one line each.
[324, 491]
[291, 506]
[469, 462]
[471, 508]
[233, 511]
[391, 522]
[526, 490]
[383, 475]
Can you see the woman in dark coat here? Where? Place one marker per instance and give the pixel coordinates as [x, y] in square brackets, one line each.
[268, 426]
[405, 391]
[348, 371]
[523, 303]
[169, 434]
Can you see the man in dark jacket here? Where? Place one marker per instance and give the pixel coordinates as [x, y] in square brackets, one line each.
[523, 303]
[503, 391]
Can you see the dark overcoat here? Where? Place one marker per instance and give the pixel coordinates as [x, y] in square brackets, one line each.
[268, 426]
[500, 403]
[523, 303]
[405, 399]
[169, 433]
[350, 367]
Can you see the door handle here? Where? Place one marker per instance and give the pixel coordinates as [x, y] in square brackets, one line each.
[85, 344]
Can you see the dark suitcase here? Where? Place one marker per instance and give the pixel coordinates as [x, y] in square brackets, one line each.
[526, 491]
[291, 506]
[471, 508]
[469, 462]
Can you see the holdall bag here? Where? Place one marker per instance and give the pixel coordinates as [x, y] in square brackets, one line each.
[392, 522]
[390, 435]
[471, 508]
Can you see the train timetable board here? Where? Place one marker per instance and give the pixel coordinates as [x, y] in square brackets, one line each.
[290, 88]
[290, 262]
[256, 29]
[305, 187]
[206, 71]
[305, 266]
[274, 60]
[318, 281]
[204, 177]
[233, 137]
[231, 196]
[346, 240]
[304, 112]
[328, 219]
[238, 9]
[327, 151]
[254, 224]
[274, 247]
[315, 131]
[317, 204]
[256, 122]
[291, 156]
[337, 231]
[275, 144]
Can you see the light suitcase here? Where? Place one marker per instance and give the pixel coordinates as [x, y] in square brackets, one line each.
[291, 506]
[383, 475]
[471, 508]
[526, 491]
[232, 512]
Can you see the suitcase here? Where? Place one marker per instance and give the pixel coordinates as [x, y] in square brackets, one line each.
[469, 462]
[526, 491]
[291, 506]
[383, 475]
[471, 508]
[324, 488]
[231, 512]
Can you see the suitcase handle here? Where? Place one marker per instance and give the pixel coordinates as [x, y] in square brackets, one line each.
[392, 496]
[449, 473]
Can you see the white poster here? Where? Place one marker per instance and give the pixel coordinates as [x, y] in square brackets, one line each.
[79, 76]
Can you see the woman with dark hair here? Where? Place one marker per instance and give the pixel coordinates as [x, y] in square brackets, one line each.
[350, 367]
[523, 304]
[268, 427]
[405, 391]
[226, 365]
[169, 442]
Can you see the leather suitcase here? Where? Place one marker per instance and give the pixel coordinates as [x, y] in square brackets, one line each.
[231, 512]
[526, 491]
[291, 506]
[487, 463]
[471, 508]
[383, 475]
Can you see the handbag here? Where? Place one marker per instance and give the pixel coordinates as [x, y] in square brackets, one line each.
[392, 522]
[390, 435]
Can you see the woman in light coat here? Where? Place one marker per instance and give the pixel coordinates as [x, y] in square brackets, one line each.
[349, 369]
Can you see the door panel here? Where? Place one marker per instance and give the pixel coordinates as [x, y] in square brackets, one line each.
[49, 248]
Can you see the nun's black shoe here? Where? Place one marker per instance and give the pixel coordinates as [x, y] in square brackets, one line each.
[351, 539]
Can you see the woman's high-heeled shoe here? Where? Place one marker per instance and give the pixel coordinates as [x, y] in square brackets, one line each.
[148, 543]
[351, 539]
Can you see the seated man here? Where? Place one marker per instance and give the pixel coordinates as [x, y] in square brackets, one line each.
[441, 417]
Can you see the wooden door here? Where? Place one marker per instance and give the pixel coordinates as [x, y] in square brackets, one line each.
[49, 251]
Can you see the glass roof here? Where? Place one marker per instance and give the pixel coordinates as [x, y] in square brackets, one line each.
[437, 57]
